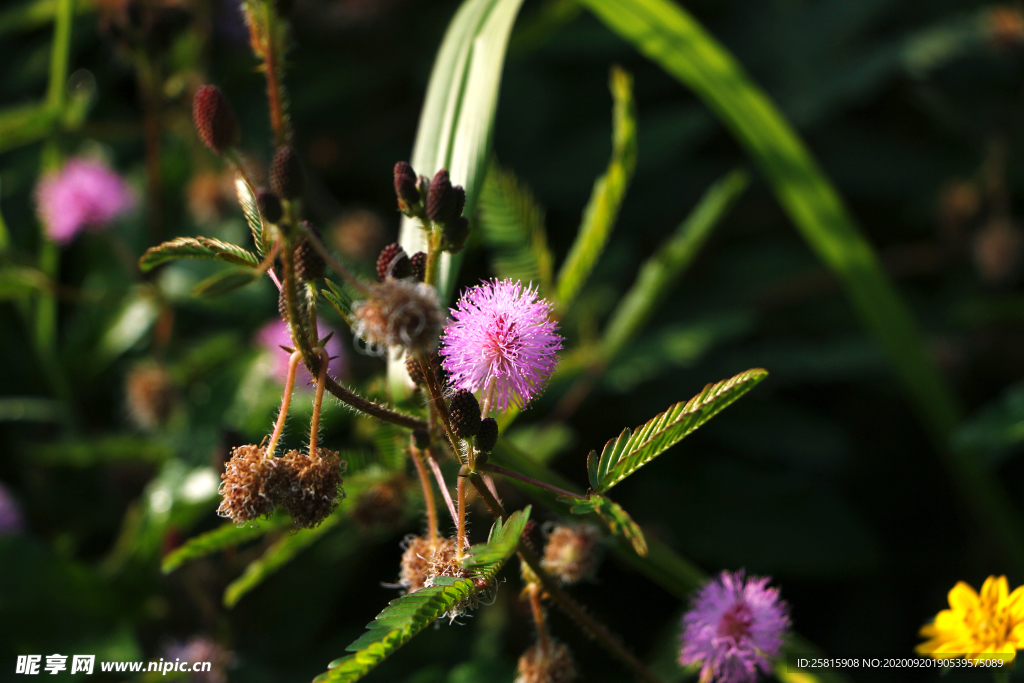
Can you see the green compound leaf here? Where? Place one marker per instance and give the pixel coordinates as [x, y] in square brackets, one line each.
[225, 536]
[623, 456]
[226, 282]
[247, 200]
[197, 248]
[606, 197]
[512, 225]
[340, 300]
[406, 616]
[617, 520]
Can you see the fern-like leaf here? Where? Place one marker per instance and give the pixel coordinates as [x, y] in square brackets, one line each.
[406, 616]
[247, 200]
[198, 248]
[629, 452]
[226, 536]
[512, 224]
[606, 197]
[340, 300]
[225, 282]
[613, 515]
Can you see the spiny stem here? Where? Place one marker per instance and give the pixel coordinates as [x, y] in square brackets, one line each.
[489, 467]
[492, 502]
[428, 491]
[460, 541]
[436, 469]
[275, 89]
[286, 399]
[437, 400]
[370, 408]
[318, 399]
[543, 639]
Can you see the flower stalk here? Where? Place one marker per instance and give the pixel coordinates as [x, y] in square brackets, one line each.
[286, 400]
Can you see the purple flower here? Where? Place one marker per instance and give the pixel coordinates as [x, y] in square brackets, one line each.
[83, 194]
[502, 339]
[275, 334]
[735, 627]
[11, 521]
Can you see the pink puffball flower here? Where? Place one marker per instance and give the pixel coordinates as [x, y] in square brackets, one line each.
[501, 335]
[734, 628]
[275, 334]
[83, 194]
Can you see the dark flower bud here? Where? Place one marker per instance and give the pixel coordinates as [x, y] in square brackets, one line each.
[405, 187]
[460, 199]
[286, 173]
[441, 199]
[465, 414]
[393, 263]
[454, 235]
[282, 307]
[421, 438]
[412, 366]
[269, 206]
[418, 264]
[309, 264]
[214, 119]
[487, 437]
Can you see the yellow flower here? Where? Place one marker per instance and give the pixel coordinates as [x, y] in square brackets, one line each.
[989, 623]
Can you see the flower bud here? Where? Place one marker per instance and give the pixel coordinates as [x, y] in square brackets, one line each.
[282, 307]
[393, 263]
[286, 173]
[405, 188]
[214, 119]
[465, 414]
[454, 235]
[460, 199]
[399, 313]
[555, 665]
[572, 552]
[311, 487]
[412, 366]
[269, 206]
[251, 485]
[441, 198]
[309, 264]
[487, 437]
[418, 266]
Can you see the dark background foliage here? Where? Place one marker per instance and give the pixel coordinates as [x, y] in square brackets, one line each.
[822, 477]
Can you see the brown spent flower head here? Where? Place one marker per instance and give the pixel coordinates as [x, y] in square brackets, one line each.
[418, 262]
[487, 436]
[465, 414]
[269, 205]
[554, 666]
[311, 488]
[393, 263]
[383, 504]
[286, 173]
[399, 313]
[415, 563]
[454, 235]
[405, 188]
[250, 484]
[572, 552]
[214, 119]
[309, 264]
[150, 393]
[441, 198]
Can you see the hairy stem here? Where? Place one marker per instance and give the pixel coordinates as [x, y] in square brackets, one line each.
[318, 399]
[436, 469]
[370, 408]
[286, 400]
[428, 492]
[489, 467]
[543, 639]
[460, 541]
[437, 399]
[275, 89]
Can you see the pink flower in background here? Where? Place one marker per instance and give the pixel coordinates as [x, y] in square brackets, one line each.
[274, 335]
[734, 628]
[83, 194]
[11, 521]
[503, 333]
[202, 649]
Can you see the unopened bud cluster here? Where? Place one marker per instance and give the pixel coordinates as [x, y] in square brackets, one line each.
[435, 200]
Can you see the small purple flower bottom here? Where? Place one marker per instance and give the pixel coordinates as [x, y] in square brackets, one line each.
[734, 628]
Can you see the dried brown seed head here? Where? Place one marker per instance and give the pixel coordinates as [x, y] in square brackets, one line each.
[251, 485]
[554, 666]
[312, 486]
[150, 394]
[572, 552]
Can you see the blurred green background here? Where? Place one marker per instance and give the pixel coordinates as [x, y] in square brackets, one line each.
[823, 477]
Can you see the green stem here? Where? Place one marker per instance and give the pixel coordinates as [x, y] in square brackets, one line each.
[60, 54]
[460, 541]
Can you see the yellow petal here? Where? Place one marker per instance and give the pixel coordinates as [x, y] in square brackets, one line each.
[994, 590]
[962, 597]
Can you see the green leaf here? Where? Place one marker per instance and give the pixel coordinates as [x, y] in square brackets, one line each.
[225, 282]
[408, 615]
[341, 300]
[247, 200]
[617, 520]
[606, 197]
[512, 224]
[25, 124]
[995, 427]
[456, 122]
[668, 35]
[660, 272]
[198, 248]
[103, 450]
[623, 456]
[18, 281]
[225, 536]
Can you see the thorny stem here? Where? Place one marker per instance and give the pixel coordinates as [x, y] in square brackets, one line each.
[436, 469]
[543, 639]
[275, 89]
[333, 262]
[593, 627]
[286, 399]
[530, 480]
[460, 541]
[428, 492]
[314, 422]
[437, 400]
